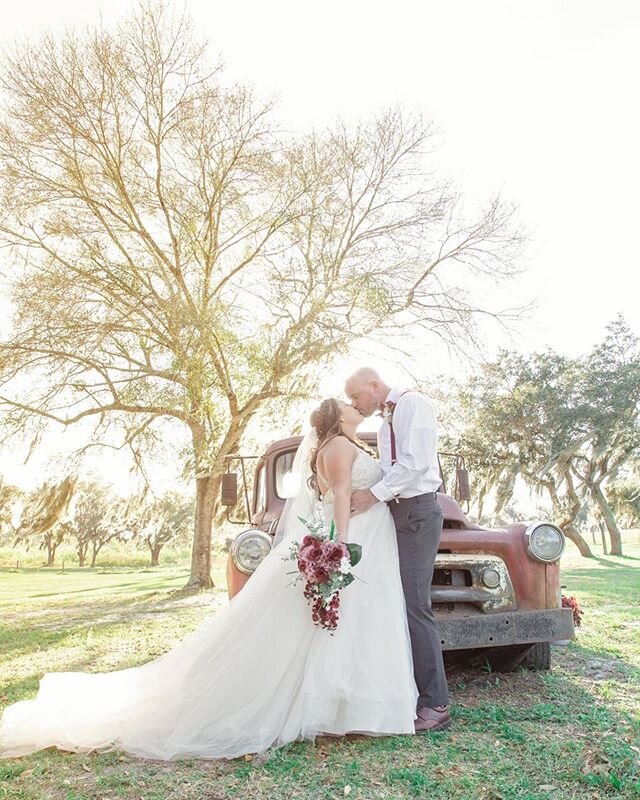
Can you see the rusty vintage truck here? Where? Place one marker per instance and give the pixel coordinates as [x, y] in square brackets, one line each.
[495, 592]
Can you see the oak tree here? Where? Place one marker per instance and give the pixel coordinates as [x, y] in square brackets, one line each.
[179, 262]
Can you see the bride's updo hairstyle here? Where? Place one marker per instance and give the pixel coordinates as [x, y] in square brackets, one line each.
[326, 420]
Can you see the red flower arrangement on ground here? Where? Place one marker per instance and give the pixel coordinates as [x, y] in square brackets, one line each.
[325, 565]
[572, 603]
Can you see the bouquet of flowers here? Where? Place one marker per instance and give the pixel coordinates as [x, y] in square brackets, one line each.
[325, 564]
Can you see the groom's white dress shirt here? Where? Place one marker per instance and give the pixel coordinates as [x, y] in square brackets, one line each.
[416, 470]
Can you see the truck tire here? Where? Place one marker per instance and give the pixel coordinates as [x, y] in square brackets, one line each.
[511, 658]
[537, 657]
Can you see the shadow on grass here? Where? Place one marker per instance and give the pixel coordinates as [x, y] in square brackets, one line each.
[29, 634]
[20, 641]
[165, 584]
[608, 561]
[27, 687]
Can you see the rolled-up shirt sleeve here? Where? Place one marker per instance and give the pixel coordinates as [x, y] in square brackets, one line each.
[416, 434]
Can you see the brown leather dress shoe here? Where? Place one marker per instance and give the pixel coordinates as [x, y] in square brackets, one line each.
[431, 720]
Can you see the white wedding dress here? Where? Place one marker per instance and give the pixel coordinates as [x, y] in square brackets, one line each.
[256, 675]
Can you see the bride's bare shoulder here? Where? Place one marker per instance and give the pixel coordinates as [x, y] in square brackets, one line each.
[338, 448]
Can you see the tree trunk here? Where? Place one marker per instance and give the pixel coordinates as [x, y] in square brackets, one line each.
[51, 549]
[603, 536]
[570, 532]
[207, 490]
[200, 578]
[566, 517]
[608, 519]
[82, 553]
[96, 549]
[155, 554]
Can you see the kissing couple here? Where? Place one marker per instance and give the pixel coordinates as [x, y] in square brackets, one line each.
[260, 674]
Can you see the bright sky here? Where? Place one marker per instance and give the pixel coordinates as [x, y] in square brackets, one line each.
[535, 99]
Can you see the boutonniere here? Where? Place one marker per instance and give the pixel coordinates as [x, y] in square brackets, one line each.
[387, 412]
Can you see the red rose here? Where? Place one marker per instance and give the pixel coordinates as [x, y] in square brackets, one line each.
[334, 551]
[309, 572]
[322, 575]
[305, 552]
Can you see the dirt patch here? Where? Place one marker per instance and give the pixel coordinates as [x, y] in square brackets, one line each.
[471, 688]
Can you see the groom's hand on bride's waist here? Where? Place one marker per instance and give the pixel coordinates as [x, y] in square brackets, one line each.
[362, 500]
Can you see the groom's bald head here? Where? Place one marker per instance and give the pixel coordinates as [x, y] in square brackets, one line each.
[366, 374]
[366, 390]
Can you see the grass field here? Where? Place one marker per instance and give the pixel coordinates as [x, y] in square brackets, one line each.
[572, 733]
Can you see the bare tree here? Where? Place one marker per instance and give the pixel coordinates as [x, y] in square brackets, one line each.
[176, 259]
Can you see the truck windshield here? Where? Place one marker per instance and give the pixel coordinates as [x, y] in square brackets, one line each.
[285, 482]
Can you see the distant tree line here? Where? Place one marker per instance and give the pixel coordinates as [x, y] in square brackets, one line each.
[90, 515]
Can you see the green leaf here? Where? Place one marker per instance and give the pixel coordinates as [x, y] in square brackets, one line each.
[355, 552]
[326, 590]
[332, 531]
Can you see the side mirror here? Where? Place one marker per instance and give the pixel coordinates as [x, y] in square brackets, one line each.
[229, 489]
[463, 487]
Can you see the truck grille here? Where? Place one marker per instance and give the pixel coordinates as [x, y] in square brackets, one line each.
[452, 577]
[461, 580]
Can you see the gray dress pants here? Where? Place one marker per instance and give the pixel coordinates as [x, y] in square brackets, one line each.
[418, 523]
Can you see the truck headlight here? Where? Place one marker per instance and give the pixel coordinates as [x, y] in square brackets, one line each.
[249, 549]
[545, 542]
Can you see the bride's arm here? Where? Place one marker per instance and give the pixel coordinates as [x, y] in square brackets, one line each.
[337, 458]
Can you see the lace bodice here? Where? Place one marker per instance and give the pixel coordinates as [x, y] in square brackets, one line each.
[365, 472]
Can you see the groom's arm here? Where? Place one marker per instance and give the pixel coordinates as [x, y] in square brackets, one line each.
[416, 434]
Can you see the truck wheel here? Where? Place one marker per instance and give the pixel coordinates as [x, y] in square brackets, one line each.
[538, 656]
[514, 657]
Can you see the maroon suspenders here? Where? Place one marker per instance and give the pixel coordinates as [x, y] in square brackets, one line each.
[393, 444]
[393, 436]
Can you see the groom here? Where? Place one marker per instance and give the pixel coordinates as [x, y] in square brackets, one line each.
[407, 443]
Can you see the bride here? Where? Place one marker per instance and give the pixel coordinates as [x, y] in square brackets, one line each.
[259, 673]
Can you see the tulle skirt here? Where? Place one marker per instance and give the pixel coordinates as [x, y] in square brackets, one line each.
[258, 674]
